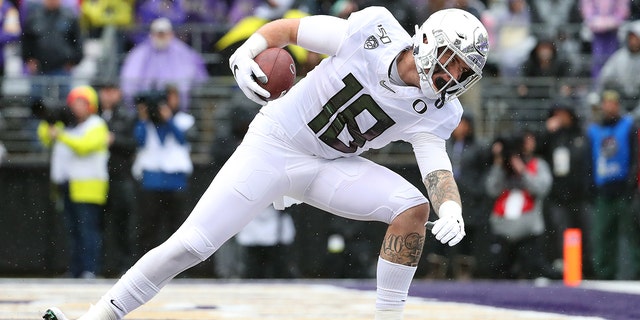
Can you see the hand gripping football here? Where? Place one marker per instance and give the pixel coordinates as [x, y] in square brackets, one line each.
[280, 69]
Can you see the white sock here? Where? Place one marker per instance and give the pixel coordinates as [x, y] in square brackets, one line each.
[101, 311]
[129, 293]
[393, 281]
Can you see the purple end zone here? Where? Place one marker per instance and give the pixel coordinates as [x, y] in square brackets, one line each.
[524, 295]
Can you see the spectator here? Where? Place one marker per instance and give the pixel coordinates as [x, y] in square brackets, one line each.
[635, 10]
[550, 71]
[603, 18]
[106, 23]
[96, 15]
[160, 60]
[620, 72]
[553, 17]
[10, 31]
[148, 11]
[120, 217]
[51, 47]
[266, 241]
[510, 35]
[519, 181]
[26, 6]
[564, 147]
[163, 166]
[614, 147]
[469, 167]
[79, 170]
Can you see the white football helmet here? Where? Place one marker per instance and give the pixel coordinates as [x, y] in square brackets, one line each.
[463, 34]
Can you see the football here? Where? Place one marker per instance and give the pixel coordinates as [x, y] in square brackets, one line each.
[280, 69]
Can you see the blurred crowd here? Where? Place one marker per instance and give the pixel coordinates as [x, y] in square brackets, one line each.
[521, 187]
[58, 41]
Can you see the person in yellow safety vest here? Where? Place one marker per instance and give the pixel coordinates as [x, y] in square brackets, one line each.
[79, 170]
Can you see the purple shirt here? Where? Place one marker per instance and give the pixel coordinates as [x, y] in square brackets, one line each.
[147, 68]
[5, 37]
[604, 15]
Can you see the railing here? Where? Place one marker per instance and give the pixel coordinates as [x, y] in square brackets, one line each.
[495, 103]
[504, 107]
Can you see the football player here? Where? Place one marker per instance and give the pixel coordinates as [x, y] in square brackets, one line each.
[377, 85]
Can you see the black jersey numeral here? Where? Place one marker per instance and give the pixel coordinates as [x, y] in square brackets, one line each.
[347, 117]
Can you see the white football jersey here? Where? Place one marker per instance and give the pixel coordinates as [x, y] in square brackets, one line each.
[348, 104]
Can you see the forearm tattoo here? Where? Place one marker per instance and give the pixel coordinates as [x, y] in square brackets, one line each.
[403, 249]
[441, 187]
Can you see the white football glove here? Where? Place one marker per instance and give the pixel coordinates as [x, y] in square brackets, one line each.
[449, 228]
[246, 70]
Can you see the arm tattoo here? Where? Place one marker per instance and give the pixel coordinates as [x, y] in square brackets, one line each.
[403, 249]
[441, 187]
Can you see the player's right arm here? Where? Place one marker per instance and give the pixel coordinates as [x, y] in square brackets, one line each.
[320, 34]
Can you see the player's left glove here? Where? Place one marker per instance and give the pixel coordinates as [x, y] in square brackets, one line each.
[246, 70]
[449, 228]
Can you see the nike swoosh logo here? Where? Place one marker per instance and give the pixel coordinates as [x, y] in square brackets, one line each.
[235, 68]
[115, 305]
[384, 85]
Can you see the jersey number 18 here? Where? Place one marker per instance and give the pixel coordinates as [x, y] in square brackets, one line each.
[347, 117]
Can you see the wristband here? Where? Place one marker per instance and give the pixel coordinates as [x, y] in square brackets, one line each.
[450, 208]
[255, 44]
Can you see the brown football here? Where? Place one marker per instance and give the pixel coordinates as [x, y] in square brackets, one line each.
[280, 69]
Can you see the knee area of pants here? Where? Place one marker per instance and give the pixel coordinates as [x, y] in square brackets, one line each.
[197, 243]
[419, 214]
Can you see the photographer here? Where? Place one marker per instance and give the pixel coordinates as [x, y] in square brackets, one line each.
[163, 166]
[519, 181]
[79, 155]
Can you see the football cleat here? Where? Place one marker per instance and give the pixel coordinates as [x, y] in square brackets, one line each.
[54, 313]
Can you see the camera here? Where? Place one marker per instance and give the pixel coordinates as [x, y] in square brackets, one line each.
[511, 146]
[153, 100]
[52, 112]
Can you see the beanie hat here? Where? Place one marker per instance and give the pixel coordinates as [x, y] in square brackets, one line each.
[87, 93]
[610, 95]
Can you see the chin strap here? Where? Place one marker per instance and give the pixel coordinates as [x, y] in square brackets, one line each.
[440, 84]
[440, 101]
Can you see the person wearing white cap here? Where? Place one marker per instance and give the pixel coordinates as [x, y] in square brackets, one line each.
[620, 72]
